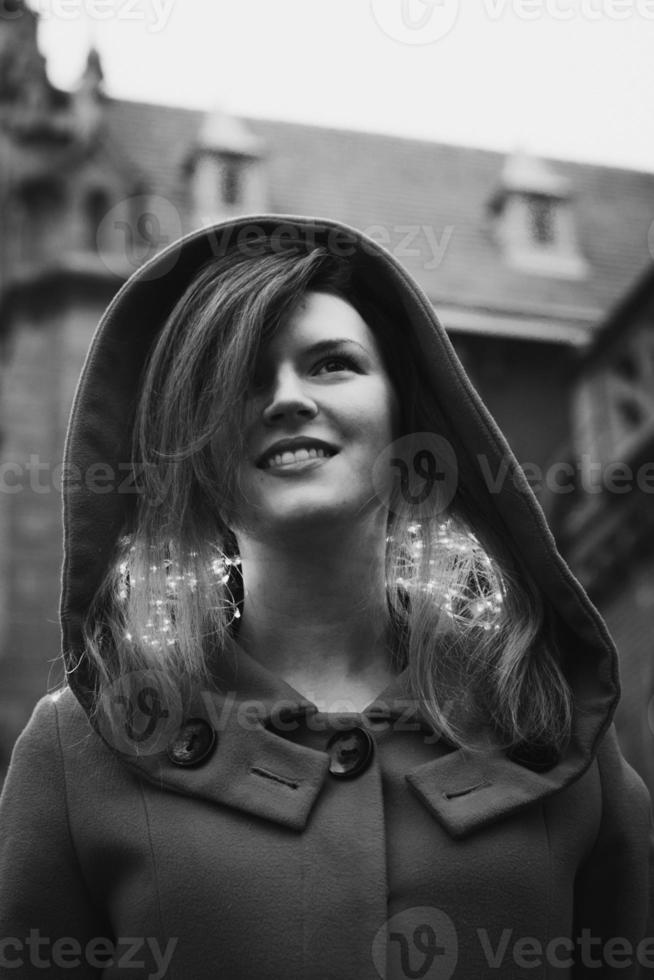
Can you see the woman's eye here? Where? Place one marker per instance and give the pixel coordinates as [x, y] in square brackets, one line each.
[336, 364]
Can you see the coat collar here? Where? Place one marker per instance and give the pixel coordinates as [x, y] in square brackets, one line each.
[256, 770]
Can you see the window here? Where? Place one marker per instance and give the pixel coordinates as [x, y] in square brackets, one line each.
[96, 207]
[541, 214]
[532, 219]
[40, 209]
[39, 196]
[231, 180]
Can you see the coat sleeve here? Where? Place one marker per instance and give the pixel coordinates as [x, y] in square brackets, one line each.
[614, 889]
[48, 925]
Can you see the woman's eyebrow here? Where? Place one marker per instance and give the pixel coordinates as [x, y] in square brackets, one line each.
[328, 345]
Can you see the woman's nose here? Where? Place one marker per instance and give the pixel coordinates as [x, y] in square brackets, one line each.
[287, 397]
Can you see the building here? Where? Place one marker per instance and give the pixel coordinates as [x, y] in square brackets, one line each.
[604, 518]
[523, 259]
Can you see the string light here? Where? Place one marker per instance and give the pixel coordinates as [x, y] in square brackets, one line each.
[476, 603]
[179, 582]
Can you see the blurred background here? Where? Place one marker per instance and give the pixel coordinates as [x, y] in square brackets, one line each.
[504, 154]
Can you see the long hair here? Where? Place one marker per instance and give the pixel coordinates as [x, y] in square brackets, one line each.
[478, 638]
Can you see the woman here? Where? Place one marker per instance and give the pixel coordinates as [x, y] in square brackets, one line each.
[336, 707]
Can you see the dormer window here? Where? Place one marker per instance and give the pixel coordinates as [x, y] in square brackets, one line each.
[541, 212]
[232, 169]
[533, 220]
[225, 170]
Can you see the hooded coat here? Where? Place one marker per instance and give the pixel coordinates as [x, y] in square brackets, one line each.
[233, 847]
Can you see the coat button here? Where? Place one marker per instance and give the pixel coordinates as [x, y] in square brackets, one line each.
[350, 752]
[193, 743]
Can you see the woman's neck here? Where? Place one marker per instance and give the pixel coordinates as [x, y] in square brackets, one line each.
[315, 607]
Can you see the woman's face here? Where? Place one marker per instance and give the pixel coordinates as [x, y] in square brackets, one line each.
[321, 410]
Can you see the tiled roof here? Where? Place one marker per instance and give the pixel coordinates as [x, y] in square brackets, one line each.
[425, 190]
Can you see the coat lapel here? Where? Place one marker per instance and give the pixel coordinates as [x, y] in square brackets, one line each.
[254, 769]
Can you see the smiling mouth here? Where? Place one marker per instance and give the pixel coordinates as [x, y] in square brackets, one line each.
[290, 458]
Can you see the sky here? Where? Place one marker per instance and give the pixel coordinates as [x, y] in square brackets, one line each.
[569, 79]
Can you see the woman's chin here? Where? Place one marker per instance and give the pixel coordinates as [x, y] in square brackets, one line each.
[306, 517]
[310, 516]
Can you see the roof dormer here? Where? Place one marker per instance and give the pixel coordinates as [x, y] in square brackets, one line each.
[533, 219]
[225, 170]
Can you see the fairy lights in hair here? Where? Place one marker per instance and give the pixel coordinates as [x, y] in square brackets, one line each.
[179, 581]
[478, 602]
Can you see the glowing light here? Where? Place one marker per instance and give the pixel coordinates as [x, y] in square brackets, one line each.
[476, 602]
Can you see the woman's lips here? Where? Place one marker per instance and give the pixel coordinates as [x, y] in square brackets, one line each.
[291, 457]
[294, 445]
[292, 462]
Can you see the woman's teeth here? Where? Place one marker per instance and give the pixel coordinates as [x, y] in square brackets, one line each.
[282, 459]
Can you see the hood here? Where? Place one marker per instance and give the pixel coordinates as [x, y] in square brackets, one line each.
[99, 436]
